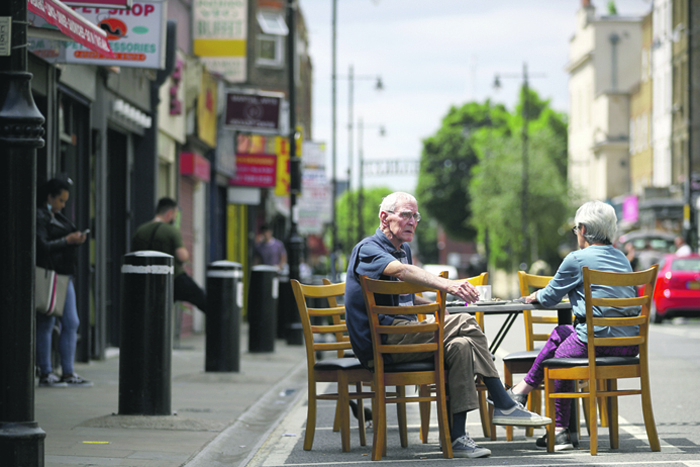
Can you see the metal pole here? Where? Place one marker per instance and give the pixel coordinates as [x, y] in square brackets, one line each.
[690, 209]
[360, 195]
[526, 117]
[351, 80]
[295, 242]
[334, 181]
[21, 132]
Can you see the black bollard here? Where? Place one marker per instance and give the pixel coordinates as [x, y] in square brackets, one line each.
[285, 302]
[224, 303]
[262, 308]
[145, 351]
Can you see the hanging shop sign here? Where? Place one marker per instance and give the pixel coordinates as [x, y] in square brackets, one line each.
[113, 4]
[255, 170]
[219, 31]
[258, 112]
[54, 15]
[135, 36]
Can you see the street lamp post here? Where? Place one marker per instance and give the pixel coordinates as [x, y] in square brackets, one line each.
[379, 86]
[360, 192]
[334, 181]
[21, 133]
[525, 259]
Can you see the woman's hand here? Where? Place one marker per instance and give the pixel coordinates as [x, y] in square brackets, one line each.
[531, 298]
[75, 238]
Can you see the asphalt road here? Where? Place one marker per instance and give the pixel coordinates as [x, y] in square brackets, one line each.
[675, 364]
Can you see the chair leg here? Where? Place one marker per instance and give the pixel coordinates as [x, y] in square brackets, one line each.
[484, 413]
[647, 409]
[343, 408]
[401, 415]
[336, 420]
[534, 404]
[602, 405]
[379, 422]
[310, 417]
[507, 382]
[361, 416]
[611, 414]
[492, 427]
[593, 416]
[583, 387]
[424, 391]
[550, 409]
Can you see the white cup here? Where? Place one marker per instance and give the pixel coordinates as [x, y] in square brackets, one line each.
[484, 292]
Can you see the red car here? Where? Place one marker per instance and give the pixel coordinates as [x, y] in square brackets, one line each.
[677, 291]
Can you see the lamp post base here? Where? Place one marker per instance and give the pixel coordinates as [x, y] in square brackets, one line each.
[22, 444]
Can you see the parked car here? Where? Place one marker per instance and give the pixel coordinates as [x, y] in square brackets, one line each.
[650, 246]
[677, 291]
[437, 269]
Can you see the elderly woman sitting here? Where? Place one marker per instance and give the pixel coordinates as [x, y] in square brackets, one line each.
[595, 229]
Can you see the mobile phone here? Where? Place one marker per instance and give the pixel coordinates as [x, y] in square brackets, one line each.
[86, 231]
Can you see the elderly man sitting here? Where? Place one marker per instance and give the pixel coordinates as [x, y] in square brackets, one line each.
[387, 256]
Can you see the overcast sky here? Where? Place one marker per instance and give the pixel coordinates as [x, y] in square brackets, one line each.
[432, 55]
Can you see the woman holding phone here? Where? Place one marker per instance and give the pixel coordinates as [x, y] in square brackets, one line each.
[57, 241]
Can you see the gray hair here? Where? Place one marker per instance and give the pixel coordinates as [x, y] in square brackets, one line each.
[600, 221]
[389, 202]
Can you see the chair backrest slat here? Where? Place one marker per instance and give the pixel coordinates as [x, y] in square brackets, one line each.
[370, 287]
[528, 282]
[331, 318]
[593, 278]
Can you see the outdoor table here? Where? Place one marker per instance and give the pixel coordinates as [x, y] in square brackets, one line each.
[512, 309]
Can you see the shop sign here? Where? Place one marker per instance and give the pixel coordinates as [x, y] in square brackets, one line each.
[220, 31]
[136, 36]
[206, 109]
[253, 112]
[255, 170]
[196, 166]
[52, 14]
[123, 4]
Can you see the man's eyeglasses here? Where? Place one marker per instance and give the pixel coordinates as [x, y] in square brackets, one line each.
[406, 215]
[574, 231]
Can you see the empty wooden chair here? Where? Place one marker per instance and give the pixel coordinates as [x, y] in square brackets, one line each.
[341, 370]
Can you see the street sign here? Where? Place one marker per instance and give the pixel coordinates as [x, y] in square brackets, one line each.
[259, 112]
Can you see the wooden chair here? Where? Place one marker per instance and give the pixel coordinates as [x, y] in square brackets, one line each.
[429, 372]
[521, 362]
[484, 409]
[608, 369]
[341, 370]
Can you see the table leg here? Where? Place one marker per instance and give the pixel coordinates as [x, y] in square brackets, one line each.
[496, 342]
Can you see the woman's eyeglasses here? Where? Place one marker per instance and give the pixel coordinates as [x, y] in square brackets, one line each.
[574, 231]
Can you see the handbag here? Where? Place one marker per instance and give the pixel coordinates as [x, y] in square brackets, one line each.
[50, 292]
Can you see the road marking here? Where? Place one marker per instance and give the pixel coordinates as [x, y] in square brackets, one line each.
[680, 331]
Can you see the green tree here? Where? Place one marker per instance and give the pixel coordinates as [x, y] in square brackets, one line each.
[470, 177]
[446, 163]
[347, 215]
[496, 185]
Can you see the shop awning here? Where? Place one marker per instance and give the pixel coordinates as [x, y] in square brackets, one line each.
[72, 25]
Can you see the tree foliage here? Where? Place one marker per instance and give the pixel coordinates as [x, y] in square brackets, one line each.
[471, 178]
[446, 163]
[347, 215]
